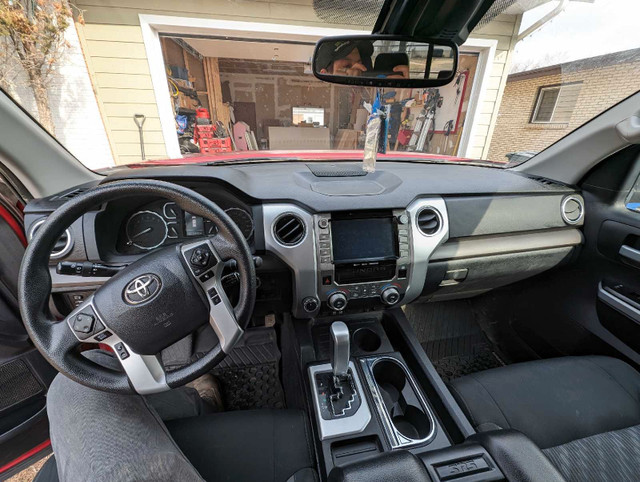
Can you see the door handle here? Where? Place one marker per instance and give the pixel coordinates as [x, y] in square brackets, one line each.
[618, 303]
[630, 253]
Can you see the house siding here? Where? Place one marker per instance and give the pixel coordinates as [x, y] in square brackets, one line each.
[116, 57]
[601, 88]
[504, 29]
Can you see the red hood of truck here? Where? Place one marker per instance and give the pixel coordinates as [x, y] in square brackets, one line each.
[309, 155]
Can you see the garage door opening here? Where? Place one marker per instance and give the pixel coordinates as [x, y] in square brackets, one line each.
[246, 94]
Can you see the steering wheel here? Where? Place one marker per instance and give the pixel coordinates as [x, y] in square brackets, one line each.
[151, 304]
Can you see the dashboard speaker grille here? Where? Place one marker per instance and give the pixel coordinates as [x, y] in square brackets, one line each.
[289, 229]
[429, 221]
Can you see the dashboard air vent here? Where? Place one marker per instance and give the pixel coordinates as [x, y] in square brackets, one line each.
[289, 230]
[429, 221]
[572, 210]
[63, 245]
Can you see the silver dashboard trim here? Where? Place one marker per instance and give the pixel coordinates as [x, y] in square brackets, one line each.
[423, 245]
[337, 427]
[301, 258]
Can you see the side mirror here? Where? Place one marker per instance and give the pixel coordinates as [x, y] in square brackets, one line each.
[385, 61]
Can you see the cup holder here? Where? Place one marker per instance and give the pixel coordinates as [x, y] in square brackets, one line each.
[400, 400]
[367, 340]
[414, 424]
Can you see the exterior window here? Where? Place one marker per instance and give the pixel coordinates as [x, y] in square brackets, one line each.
[555, 104]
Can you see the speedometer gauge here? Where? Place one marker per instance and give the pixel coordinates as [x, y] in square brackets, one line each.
[146, 230]
[243, 219]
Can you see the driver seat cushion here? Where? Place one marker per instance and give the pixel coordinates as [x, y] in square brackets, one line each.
[584, 412]
[265, 445]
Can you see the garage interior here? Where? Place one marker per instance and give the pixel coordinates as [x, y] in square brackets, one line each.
[238, 94]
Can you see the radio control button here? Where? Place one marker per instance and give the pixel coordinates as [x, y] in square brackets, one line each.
[310, 304]
[324, 245]
[325, 260]
[337, 301]
[403, 219]
[390, 296]
[403, 232]
[404, 254]
[324, 237]
[325, 252]
[323, 223]
[403, 239]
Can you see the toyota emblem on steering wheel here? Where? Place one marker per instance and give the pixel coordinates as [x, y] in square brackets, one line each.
[142, 289]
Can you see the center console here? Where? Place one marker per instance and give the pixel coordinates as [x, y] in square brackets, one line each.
[362, 256]
[379, 408]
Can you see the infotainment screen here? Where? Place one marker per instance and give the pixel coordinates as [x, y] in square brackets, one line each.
[364, 239]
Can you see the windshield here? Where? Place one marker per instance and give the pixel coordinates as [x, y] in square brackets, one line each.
[207, 82]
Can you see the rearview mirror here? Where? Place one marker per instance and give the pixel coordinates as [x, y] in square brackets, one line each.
[385, 61]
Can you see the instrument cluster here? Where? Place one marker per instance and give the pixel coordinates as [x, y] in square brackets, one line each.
[162, 223]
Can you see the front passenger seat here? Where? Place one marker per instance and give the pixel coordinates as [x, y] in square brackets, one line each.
[583, 412]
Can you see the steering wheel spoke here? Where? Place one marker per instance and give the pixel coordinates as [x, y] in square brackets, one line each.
[207, 265]
[145, 372]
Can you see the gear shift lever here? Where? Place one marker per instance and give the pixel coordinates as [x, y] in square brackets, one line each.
[339, 355]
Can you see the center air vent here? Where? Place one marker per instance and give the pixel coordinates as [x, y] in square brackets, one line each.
[572, 210]
[63, 245]
[289, 230]
[429, 221]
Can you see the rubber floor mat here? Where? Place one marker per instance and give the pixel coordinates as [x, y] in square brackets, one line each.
[452, 339]
[249, 376]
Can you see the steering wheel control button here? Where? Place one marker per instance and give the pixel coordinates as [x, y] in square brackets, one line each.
[201, 257]
[121, 350]
[102, 336]
[207, 276]
[213, 294]
[83, 323]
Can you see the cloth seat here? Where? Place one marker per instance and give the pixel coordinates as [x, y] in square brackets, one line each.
[264, 445]
[583, 412]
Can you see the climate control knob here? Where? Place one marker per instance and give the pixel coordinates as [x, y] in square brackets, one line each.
[390, 296]
[337, 301]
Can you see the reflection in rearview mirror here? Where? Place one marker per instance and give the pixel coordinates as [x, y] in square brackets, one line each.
[371, 60]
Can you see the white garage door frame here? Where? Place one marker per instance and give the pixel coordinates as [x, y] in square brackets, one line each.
[154, 25]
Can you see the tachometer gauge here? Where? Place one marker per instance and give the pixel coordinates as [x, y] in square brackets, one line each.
[146, 230]
[243, 219]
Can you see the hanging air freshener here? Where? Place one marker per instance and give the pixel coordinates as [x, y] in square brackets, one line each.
[376, 134]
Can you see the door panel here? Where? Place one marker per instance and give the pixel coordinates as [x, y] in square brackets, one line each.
[612, 257]
[24, 374]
